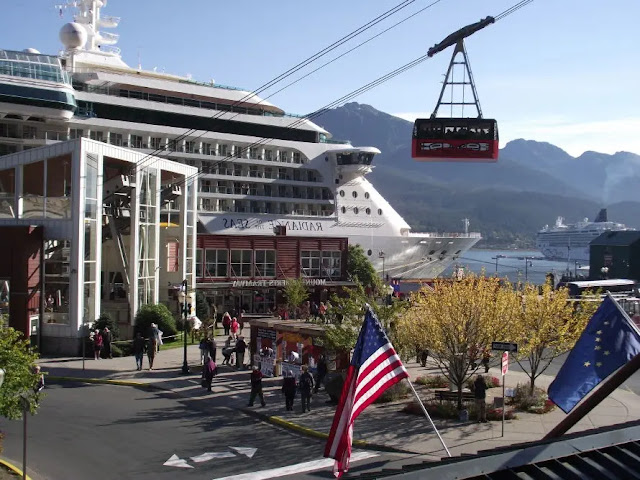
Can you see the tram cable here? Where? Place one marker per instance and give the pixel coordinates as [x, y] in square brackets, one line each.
[301, 65]
[349, 96]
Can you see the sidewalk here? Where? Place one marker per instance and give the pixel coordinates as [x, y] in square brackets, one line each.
[378, 426]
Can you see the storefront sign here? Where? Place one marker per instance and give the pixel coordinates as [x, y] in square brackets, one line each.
[293, 368]
[266, 333]
[311, 282]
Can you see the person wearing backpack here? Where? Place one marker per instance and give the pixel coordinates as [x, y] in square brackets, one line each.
[306, 387]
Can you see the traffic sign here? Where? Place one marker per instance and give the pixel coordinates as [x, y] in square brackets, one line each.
[505, 363]
[504, 346]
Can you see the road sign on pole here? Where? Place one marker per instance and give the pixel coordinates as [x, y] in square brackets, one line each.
[505, 369]
[505, 363]
[504, 346]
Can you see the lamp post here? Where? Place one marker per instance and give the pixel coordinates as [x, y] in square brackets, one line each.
[186, 300]
[527, 264]
[382, 255]
[604, 271]
[496, 259]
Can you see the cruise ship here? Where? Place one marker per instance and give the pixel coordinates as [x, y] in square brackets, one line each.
[259, 167]
[571, 241]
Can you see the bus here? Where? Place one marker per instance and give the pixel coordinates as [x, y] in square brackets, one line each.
[618, 287]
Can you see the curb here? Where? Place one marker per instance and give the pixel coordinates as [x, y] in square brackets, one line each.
[309, 432]
[123, 383]
[13, 468]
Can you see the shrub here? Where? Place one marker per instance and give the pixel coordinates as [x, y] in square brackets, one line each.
[116, 351]
[105, 320]
[496, 414]
[435, 409]
[535, 403]
[393, 393]
[437, 381]
[158, 314]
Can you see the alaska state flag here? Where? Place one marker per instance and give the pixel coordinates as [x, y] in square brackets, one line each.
[608, 342]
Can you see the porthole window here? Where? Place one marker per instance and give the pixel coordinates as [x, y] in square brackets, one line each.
[344, 210]
[355, 210]
[342, 193]
[379, 211]
[326, 159]
[337, 181]
[366, 195]
[369, 252]
[355, 194]
[368, 211]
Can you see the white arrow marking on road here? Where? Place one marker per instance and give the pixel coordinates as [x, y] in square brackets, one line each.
[248, 451]
[297, 468]
[211, 455]
[175, 461]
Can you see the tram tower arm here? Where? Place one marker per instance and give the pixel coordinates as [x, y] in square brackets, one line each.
[464, 32]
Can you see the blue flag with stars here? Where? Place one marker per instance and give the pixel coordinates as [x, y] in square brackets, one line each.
[608, 342]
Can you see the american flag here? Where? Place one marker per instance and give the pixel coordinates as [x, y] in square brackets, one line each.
[375, 366]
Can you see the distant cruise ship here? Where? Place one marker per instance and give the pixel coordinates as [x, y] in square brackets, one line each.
[571, 242]
[259, 167]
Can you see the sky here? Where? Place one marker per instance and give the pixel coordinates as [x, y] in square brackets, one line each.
[561, 71]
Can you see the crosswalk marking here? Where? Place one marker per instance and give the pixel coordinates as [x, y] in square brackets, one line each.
[297, 468]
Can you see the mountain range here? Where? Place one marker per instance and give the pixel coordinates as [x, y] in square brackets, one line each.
[509, 201]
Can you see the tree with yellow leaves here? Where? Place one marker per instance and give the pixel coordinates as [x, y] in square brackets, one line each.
[550, 324]
[457, 320]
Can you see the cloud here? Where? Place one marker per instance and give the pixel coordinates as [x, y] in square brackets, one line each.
[573, 136]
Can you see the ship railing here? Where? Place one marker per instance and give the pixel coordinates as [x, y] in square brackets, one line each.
[446, 234]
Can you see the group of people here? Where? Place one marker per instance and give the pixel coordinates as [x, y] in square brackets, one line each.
[102, 343]
[306, 385]
[234, 346]
[150, 346]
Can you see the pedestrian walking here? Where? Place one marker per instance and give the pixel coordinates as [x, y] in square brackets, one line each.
[152, 350]
[107, 338]
[241, 347]
[209, 371]
[227, 351]
[211, 348]
[97, 344]
[226, 322]
[138, 349]
[256, 387]
[321, 372]
[289, 390]
[486, 358]
[241, 320]
[322, 311]
[235, 328]
[204, 350]
[480, 394]
[306, 387]
[424, 356]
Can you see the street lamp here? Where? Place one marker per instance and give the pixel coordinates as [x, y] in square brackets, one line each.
[186, 301]
[496, 259]
[382, 255]
[604, 271]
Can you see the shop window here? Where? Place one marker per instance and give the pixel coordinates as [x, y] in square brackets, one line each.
[199, 269]
[310, 263]
[7, 193]
[265, 263]
[216, 263]
[331, 263]
[241, 263]
[33, 190]
[173, 256]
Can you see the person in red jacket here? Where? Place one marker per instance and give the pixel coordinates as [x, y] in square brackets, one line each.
[97, 344]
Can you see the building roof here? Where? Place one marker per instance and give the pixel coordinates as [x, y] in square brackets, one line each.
[621, 238]
[606, 453]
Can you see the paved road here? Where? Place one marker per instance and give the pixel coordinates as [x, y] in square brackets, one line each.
[129, 433]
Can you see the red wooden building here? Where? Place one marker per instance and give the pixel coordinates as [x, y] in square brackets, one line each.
[249, 272]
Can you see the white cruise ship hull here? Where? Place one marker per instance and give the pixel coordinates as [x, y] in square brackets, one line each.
[412, 256]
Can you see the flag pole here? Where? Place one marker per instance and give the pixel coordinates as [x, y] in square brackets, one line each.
[426, 414]
[590, 403]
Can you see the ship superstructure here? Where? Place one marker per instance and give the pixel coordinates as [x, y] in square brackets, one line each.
[260, 168]
[571, 241]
